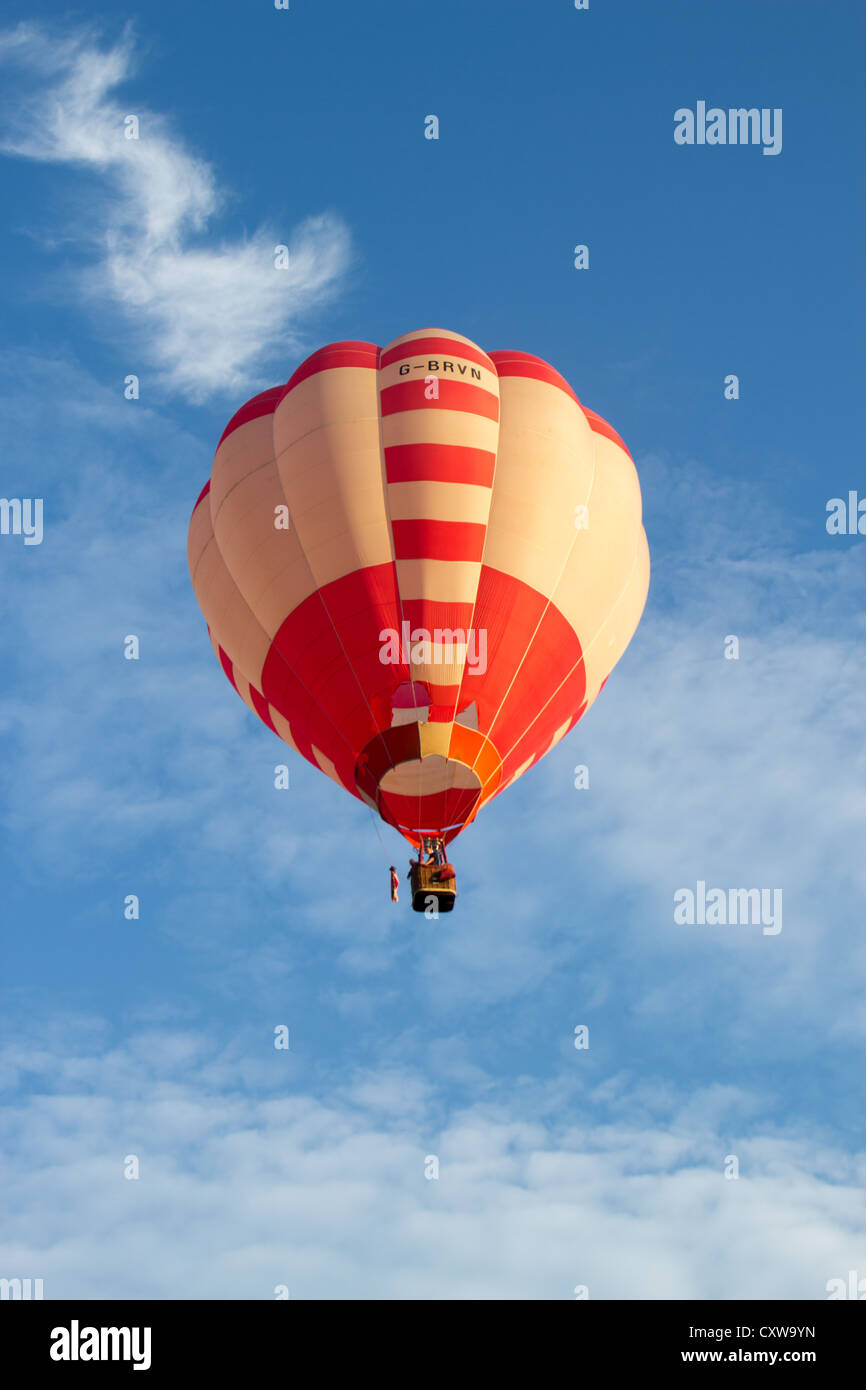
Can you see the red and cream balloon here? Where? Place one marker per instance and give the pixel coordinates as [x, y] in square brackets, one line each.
[418, 565]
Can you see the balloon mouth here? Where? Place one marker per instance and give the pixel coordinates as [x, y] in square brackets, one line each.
[431, 776]
[428, 778]
[429, 793]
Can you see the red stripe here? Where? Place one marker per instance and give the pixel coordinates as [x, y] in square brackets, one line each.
[525, 365]
[602, 427]
[228, 666]
[335, 679]
[452, 395]
[261, 707]
[348, 354]
[441, 347]
[431, 812]
[442, 463]
[438, 540]
[427, 612]
[204, 492]
[332, 646]
[265, 403]
[443, 700]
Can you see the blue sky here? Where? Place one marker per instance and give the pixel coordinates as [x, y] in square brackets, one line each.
[559, 1167]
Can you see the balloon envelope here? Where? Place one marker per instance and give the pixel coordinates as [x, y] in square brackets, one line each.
[418, 565]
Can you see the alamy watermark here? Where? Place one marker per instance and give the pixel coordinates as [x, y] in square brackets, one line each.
[20, 1289]
[442, 646]
[732, 907]
[77, 1343]
[737, 126]
[22, 516]
[846, 518]
[854, 1287]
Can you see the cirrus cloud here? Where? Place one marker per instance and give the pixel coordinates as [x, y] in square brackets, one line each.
[209, 310]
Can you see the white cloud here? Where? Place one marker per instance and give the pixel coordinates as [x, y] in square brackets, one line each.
[247, 1182]
[210, 311]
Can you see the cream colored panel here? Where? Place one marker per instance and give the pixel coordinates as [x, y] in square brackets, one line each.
[601, 560]
[445, 333]
[300, 463]
[448, 581]
[434, 501]
[439, 426]
[335, 493]
[200, 534]
[247, 448]
[435, 739]
[283, 728]
[608, 643]
[251, 575]
[428, 776]
[619, 475]
[330, 397]
[228, 615]
[261, 557]
[544, 470]
[327, 766]
[331, 470]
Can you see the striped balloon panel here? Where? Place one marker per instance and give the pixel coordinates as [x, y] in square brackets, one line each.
[418, 566]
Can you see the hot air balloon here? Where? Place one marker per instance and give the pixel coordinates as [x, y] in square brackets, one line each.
[418, 565]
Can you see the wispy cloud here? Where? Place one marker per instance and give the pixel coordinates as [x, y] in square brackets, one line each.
[248, 1180]
[210, 310]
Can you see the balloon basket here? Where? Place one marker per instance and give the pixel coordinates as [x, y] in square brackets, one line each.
[427, 882]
